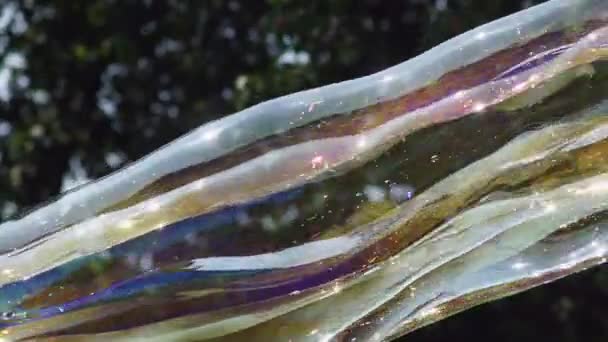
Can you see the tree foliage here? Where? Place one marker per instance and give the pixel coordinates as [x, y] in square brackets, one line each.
[100, 83]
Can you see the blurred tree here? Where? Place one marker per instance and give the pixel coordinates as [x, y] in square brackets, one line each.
[99, 83]
[87, 86]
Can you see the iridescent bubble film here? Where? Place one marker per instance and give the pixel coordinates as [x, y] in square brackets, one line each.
[358, 211]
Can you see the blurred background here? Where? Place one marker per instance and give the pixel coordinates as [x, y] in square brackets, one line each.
[88, 86]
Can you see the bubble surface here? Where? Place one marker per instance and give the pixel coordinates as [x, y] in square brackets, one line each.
[361, 210]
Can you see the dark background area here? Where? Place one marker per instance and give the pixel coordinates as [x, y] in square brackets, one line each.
[88, 86]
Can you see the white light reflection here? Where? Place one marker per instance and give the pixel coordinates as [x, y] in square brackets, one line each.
[337, 288]
[362, 142]
[317, 161]
[520, 87]
[479, 107]
[198, 185]
[312, 105]
[459, 95]
[126, 224]
[599, 250]
[520, 265]
[430, 312]
[206, 136]
[593, 36]
[550, 207]
[152, 206]
[388, 78]
[568, 265]
[595, 188]
[313, 332]
[326, 338]
[211, 135]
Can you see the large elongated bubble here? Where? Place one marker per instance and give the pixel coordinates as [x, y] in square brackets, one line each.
[357, 211]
